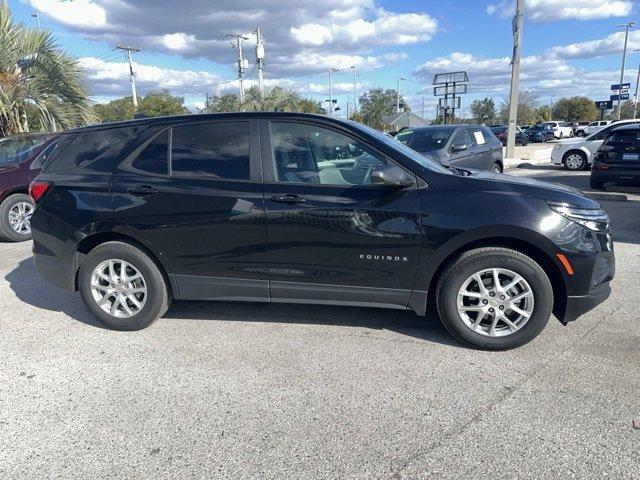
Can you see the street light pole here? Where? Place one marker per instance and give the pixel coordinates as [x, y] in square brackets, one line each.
[635, 97]
[331, 70]
[626, 26]
[355, 91]
[37, 17]
[515, 79]
[399, 79]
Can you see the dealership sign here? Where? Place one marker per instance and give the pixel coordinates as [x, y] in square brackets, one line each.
[604, 104]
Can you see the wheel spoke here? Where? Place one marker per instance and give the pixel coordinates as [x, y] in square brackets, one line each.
[466, 293]
[519, 311]
[483, 289]
[114, 291]
[494, 322]
[520, 296]
[496, 280]
[517, 279]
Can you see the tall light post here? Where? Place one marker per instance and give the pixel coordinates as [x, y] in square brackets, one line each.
[331, 70]
[635, 97]
[514, 92]
[626, 26]
[355, 90]
[36, 15]
[399, 79]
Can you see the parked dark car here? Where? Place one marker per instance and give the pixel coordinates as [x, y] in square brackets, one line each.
[467, 146]
[20, 159]
[284, 207]
[540, 133]
[500, 131]
[618, 158]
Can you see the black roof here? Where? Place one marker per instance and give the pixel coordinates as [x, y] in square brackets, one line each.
[204, 117]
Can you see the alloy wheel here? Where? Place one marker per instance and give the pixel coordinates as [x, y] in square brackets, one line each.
[495, 302]
[118, 288]
[20, 218]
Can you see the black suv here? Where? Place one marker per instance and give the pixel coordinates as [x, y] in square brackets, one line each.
[279, 207]
[618, 158]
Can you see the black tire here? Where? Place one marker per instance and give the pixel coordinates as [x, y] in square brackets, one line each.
[477, 260]
[496, 168]
[525, 141]
[570, 161]
[580, 133]
[6, 231]
[158, 296]
[596, 183]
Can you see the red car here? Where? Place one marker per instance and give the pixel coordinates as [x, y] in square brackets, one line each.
[21, 157]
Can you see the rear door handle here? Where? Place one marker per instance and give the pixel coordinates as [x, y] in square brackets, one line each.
[289, 198]
[142, 191]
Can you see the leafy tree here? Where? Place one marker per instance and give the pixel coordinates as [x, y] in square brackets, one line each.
[115, 110]
[38, 80]
[160, 104]
[626, 108]
[376, 103]
[543, 114]
[154, 104]
[484, 111]
[527, 105]
[575, 109]
[277, 99]
[229, 102]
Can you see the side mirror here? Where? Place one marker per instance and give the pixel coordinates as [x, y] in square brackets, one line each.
[391, 176]
[459, 147]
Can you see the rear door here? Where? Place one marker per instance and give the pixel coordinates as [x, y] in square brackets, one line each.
[193, 194]
[333, 236]
[483, 147]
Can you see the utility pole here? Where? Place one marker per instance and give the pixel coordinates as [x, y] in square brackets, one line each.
[515, 78]
[635, 97]
[260, 59]
[331, 70]
[242, 62]
[355, 91]
[422, 107]
[132, 76]
[626, 26]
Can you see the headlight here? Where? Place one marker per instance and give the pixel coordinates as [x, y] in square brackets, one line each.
[594, 219]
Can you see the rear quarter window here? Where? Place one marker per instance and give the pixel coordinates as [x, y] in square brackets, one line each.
[101, 149]
[625, 139]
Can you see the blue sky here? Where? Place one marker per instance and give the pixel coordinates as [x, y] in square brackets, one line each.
[569, 46]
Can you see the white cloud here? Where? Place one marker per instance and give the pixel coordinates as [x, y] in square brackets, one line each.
[293, 30]
[554, 10]
[543, 74]
[611, 44]
[85, 12]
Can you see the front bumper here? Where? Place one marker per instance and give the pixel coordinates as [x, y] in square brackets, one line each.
[580, 304]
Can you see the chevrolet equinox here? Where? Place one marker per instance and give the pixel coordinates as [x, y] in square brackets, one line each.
[282, 207]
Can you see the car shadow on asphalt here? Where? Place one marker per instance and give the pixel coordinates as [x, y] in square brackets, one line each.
[30, 288]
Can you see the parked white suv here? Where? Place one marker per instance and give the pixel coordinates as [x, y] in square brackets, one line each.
[593, 127]
[560, 129]
[577, 153]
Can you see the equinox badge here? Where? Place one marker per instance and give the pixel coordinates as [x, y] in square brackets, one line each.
[384, 258]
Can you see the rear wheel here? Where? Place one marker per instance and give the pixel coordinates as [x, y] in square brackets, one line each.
[496, 168]
[494, 298]
[15, 218]
[580, 133]
[575, 161]
[122, 286]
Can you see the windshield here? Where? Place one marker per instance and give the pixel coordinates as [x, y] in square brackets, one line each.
[406, 151]
[537, 127]
[17, 149]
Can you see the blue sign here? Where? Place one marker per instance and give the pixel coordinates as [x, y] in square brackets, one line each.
[624, 96]
[625, 86]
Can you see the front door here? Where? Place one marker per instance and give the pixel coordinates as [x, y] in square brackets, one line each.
[461, 150]
[333, 236]
[193, 194]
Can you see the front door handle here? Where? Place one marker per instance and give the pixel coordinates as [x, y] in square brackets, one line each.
[142, 191]
[288, 198]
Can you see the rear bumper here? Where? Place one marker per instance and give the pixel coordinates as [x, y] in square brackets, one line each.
[617, 175]
[579, 305]
[55, 272]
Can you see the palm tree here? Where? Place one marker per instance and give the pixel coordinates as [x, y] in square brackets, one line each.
[39, 79]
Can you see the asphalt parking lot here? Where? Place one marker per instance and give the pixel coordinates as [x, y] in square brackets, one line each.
[222, 390]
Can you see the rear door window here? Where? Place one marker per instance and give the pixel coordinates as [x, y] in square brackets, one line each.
[478, 136]
[214, 149]
[625, 140]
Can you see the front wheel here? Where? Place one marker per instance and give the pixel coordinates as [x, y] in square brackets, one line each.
[575, 161]
[496, 168]
[122, 286]
[15, 218]
[494, 298]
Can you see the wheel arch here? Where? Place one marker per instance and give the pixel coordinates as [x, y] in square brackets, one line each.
[526, 246]
[94, 240]
[580, 150]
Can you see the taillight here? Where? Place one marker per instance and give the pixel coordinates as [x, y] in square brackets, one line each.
[37, 190]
